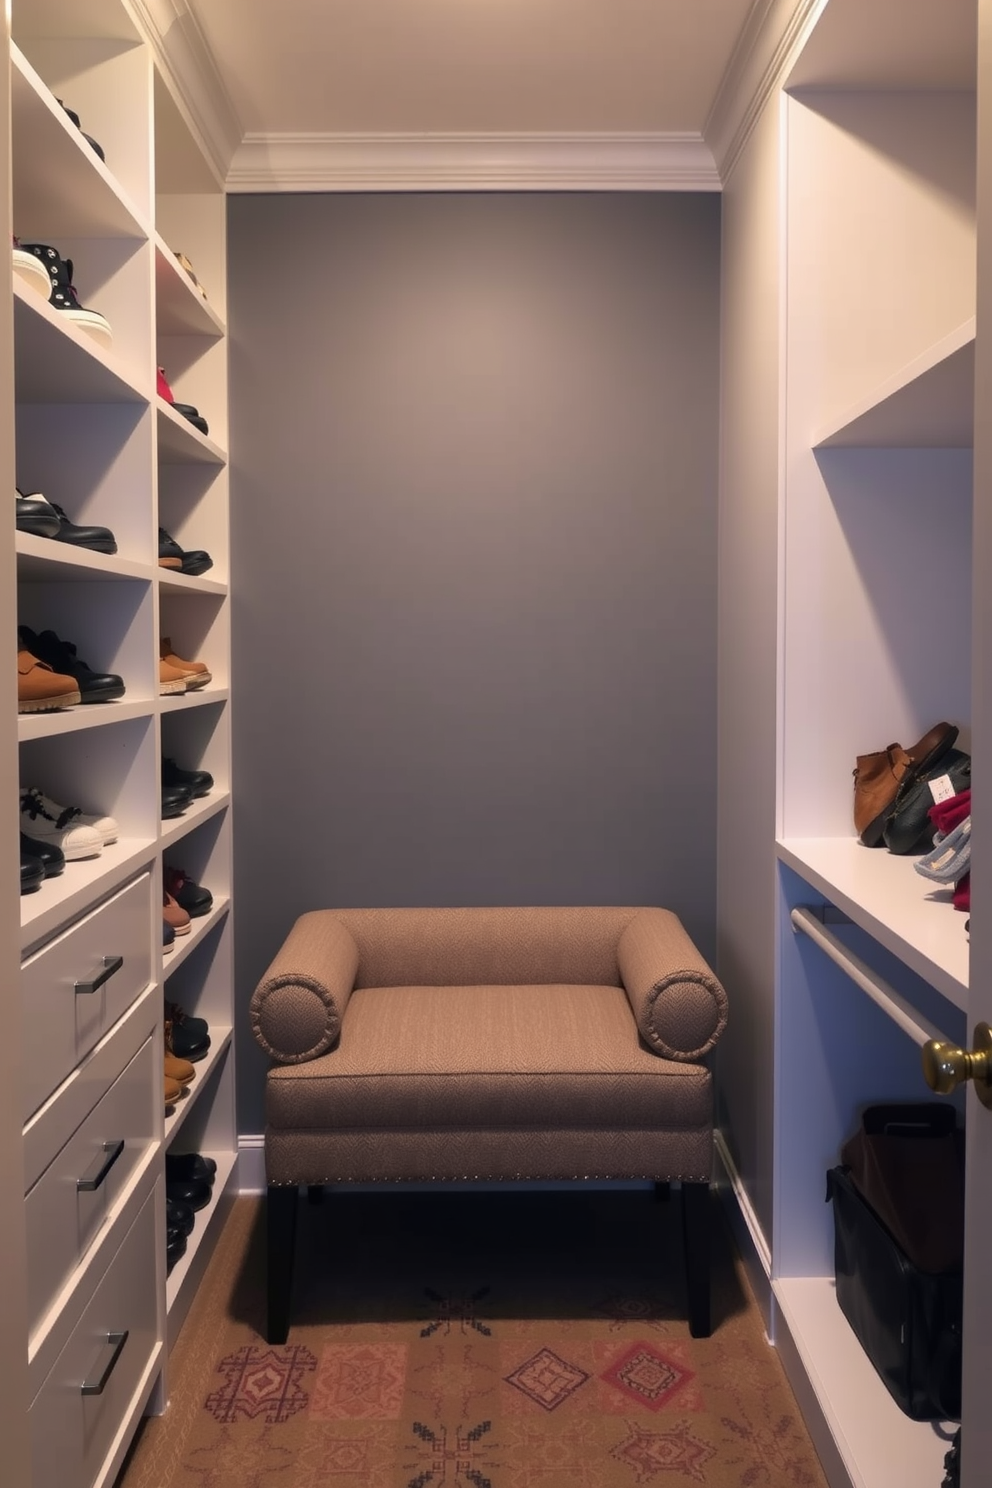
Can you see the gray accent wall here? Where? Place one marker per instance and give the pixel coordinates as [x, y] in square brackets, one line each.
[474, 495]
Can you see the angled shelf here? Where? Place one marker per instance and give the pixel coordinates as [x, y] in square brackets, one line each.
[929, 404]
[79, 886]
[889, 45]
[180, 309]
[61, 186]
[42, 560]
[877, 1443]
[56, 363]
[220, 1038]
[178, 583]
[883, 894]
[184, 945]
[83, 716]
[176, 828]
[179, 702]
[180, 444]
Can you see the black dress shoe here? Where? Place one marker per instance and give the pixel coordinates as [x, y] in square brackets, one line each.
[175, 1247]
[94, 687]
[193, 415]
[191, 1191]
[200, 782]
[52, 858]
[196, 562]
[189, 1043]
[188, 1167]
[96, 539]
[175, 799]
[32, 873]
[192, 897]
[179, 1216]
[36, 515]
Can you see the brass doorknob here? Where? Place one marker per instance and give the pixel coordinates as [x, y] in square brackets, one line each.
[945, 1067]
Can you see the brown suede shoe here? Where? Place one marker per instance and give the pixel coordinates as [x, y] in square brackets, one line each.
[39, 689]
[173, 914]
[879, 777]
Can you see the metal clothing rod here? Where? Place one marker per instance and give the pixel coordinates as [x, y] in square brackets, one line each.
[902, 1012]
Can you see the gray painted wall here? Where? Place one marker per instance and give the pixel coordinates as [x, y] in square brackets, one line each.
[474, 490]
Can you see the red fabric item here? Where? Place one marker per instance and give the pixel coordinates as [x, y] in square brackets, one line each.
[946, 815]
[962, 893]
[164, 390]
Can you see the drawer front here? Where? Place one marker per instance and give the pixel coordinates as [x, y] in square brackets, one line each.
[73, 990]
[72, 1431]
[76, 1194]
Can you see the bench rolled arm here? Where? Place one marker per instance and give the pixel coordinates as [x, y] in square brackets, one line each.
[680, 1007]
[297, 1007]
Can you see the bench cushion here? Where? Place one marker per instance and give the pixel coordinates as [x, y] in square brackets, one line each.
[489, 1057]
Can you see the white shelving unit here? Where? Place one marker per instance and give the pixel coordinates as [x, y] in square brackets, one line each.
[90, 431]
[878, 373]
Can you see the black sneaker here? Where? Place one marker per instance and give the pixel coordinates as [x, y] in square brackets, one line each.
[200, 782]
[175, 800]
[87, 137]
[64, 297]
[96, 539]
[94, 687]
[36, 515]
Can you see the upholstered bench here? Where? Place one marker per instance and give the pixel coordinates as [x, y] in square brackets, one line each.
[489, 1044]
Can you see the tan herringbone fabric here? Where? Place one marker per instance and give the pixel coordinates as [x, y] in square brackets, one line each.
[681, 1008]
[298, 1006]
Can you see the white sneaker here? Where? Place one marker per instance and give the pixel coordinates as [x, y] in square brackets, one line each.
[61, 826]
[105, 825]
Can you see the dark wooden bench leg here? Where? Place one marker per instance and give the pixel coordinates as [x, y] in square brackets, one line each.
[281, 1206]
[662, 1192]
[696, 1235]
[315, 1193]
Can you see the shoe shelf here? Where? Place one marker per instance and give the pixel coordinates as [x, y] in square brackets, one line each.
[176, 828]
[42, 560]
[61, 186]
[79, 887]
[882, 893]
[180, 309]
[184, 700]
[184, 945]
[220, 1038]
[928, 404]
[186, 1274]
[56, 363]
[180, 444]
[177, 583]
[876, 1442]
[82, 716]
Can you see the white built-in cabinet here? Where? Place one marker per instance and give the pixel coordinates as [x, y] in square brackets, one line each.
[85, 425]
[874, 224]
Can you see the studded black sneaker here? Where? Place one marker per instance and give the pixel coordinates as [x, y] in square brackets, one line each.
[64, 297]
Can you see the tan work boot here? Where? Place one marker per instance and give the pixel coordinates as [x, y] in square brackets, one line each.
[39, 689]
[176, 1069]
[194, 673]
[173, 1093]
[170, 679]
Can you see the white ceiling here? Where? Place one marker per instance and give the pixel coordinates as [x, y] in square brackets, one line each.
[335, 67]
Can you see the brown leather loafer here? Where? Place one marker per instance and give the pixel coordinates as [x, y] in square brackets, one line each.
[879, 777]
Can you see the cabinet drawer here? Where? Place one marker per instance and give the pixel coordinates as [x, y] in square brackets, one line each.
[62, 1019]
[72, 1431]
[72, 1199]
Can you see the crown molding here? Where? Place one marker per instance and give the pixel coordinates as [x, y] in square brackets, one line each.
[187, 64]
[774, 33]
[472, 162]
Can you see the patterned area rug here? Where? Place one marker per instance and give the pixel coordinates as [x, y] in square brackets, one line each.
[475, 1340]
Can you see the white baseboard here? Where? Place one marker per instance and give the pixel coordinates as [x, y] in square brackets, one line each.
[746, 1229]
[251, 1164]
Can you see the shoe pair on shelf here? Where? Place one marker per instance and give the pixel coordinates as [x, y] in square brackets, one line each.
[176, 675]
[63, 833]
[98, 149]
[40, 517]
[62, 294]
[188, 411]
[194, 561]
[184, 263]
[190, 896]
[61, 660]
[189, 1179]
[181, 787]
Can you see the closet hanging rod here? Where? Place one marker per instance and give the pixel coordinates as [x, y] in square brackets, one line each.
[898, 1008]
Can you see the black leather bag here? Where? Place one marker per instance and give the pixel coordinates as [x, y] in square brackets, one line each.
[908, 828]
[906, 1318]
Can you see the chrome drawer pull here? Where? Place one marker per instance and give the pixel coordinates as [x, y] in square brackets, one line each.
[115, 1342]
[111, 965]
[109, 1154]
